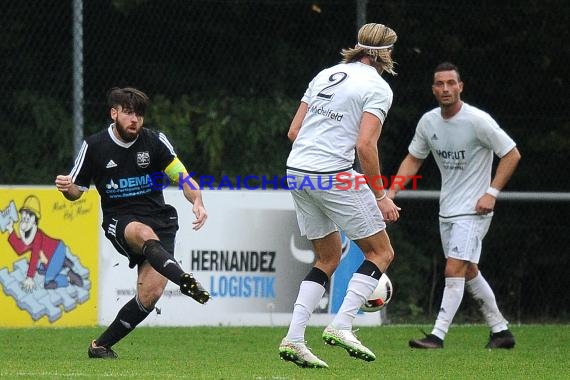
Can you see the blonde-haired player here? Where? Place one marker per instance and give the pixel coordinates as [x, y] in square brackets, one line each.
[343, 108]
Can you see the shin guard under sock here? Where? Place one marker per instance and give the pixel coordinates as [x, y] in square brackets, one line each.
[162, 261]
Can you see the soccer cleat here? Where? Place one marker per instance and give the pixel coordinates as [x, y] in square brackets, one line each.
[429, 341]
[299, 354]
[347, 340]
[192, 288]
[100, 352]
[502, 339]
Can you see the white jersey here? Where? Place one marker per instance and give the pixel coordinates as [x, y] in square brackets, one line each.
[463, 148]
[336, 99]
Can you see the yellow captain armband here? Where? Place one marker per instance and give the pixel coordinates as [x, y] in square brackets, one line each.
[174, 169]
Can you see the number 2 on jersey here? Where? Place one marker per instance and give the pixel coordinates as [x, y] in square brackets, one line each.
[336, 79]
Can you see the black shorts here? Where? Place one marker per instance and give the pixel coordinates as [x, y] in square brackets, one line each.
[164, 225]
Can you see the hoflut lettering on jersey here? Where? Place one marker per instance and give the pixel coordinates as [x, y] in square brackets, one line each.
[143, 159]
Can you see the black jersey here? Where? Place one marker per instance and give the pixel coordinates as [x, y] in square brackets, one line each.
[122, 172]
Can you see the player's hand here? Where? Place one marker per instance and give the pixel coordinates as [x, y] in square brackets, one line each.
[63, 183]
[201, 215]
[485, 204]
[28, 285]
[390, 211]
[10, 226]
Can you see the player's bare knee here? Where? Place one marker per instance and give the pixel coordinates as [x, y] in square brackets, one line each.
[472, 271]
[139, 232]
[146, 233]
[381, 257]
[386, 255]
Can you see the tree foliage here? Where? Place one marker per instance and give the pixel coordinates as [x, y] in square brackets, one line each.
[225, 78]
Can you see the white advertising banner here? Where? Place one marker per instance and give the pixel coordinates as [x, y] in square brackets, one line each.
[250, 257]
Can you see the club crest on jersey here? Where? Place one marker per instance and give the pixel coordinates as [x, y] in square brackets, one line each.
[143, 159]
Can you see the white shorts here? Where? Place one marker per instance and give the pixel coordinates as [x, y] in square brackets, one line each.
[322, 211]
[463, 239]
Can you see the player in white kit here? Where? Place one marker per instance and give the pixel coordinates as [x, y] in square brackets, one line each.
[343, 108]
[462, 140]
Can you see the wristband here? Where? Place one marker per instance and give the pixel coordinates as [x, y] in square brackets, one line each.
[382, 197]
[492, 191]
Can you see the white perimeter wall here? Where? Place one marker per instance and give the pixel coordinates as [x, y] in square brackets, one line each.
[249, 255]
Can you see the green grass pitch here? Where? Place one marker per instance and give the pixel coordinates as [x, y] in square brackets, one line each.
[542, 352]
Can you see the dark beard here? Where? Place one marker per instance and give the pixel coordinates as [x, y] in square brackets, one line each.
[126, 137]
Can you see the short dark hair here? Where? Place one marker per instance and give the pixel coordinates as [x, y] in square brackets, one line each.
[447, 66]
[129, 98]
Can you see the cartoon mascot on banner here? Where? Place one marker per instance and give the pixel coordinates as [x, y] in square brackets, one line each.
[48, 255]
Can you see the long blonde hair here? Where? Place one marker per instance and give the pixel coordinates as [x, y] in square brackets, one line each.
[375, 40]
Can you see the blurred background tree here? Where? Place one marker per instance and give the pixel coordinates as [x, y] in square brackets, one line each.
[226, 76]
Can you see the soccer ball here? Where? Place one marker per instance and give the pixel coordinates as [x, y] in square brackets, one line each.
[380, 296]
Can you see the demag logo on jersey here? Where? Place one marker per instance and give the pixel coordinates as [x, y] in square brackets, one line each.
[128, 187]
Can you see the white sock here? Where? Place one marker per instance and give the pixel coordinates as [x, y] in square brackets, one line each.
[310, 294]
[479, 288]
[359, 289]
[452, 296]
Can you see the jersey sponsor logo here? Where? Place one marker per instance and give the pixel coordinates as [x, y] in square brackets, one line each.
[328, 113]
[452, 160]
[112, 185]
[143, 159]
[450, 154]
[128, 187]
[111, 164]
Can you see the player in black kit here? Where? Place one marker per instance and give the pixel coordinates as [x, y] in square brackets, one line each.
[125, 162]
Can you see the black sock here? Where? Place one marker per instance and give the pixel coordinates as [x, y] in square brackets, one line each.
[162, 261]
[318, 276]
[127, 319]
[368, 268]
